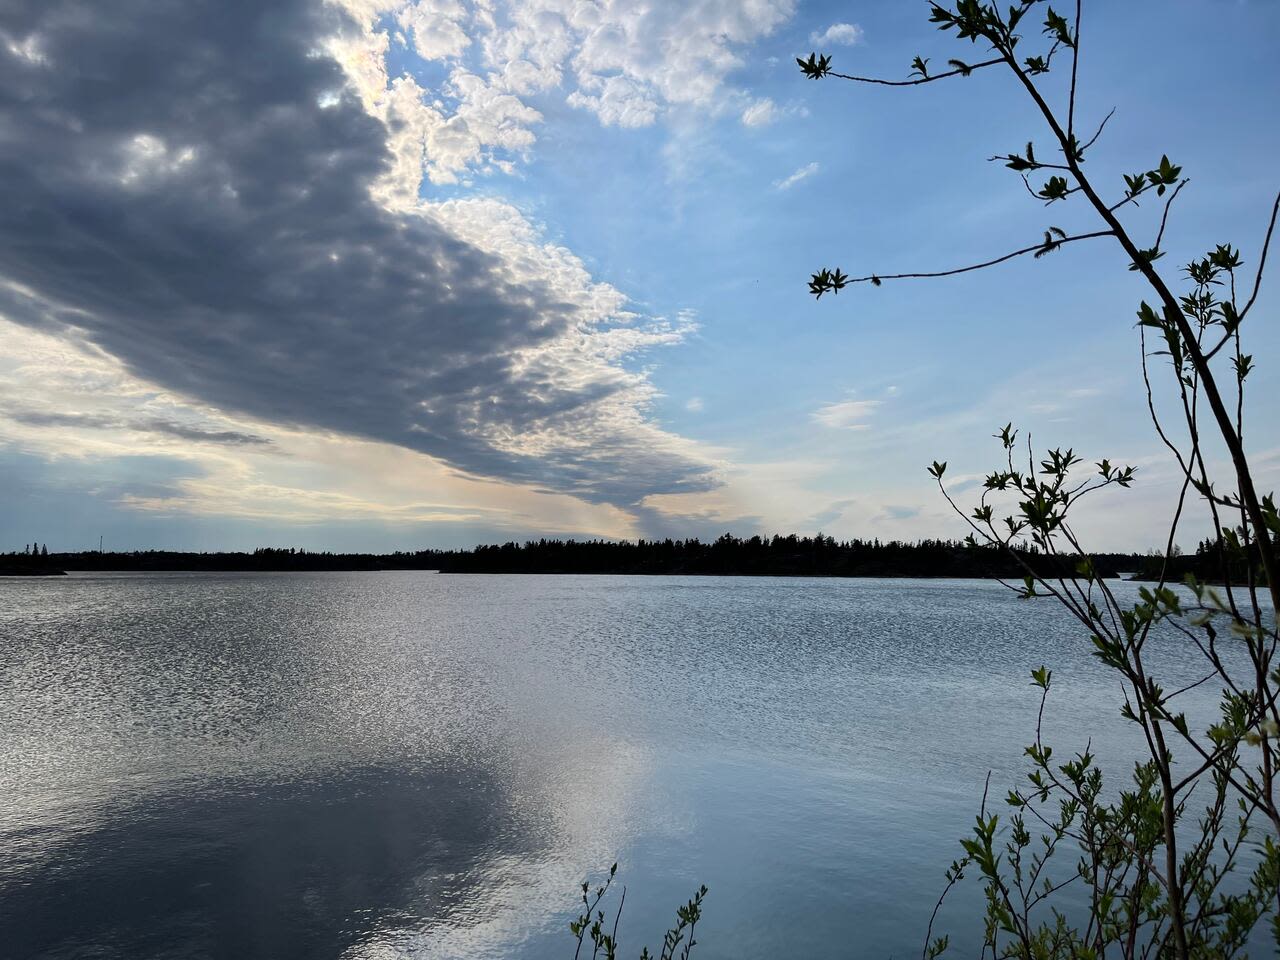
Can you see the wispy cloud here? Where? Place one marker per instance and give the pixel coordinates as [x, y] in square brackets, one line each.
[808, 170]
[761, 113]
[846, 415]
[839, 34]
[894, 512]
[1070, 399]
[833, 512]
[155, 425]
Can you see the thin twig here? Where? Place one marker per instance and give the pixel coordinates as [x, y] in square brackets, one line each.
[1094, 138]
[1035, 164]
[1075, 66]
[1164, 220]
[919, 80]
[1051, 245]
[613, 937]
[1262, 257]
[955, 878]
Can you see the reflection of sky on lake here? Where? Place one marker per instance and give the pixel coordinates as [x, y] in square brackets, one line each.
[387, 765]
[293, 868]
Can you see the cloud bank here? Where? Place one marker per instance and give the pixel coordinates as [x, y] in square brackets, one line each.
[198, 190]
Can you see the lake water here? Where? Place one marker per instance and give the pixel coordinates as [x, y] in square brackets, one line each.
[383, 765]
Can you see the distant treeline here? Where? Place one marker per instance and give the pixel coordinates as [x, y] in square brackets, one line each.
[31, 561]
[1215, 561]
[778, 556]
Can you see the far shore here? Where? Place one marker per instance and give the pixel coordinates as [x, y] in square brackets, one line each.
[776, 556]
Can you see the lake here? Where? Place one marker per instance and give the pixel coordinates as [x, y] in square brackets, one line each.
[380, 765]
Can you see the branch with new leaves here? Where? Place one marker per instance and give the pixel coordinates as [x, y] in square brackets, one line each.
[1156, 882]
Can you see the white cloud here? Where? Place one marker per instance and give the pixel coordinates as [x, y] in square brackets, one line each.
[435, 28]
[627, 61]
[846, 415]
[808, 170]
[694, 405]
[760, 113]
[617, 101]
[840, 34]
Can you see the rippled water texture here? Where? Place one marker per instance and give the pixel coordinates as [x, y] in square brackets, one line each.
[406, 764]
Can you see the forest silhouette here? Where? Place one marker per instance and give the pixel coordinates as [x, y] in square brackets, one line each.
[728, 555]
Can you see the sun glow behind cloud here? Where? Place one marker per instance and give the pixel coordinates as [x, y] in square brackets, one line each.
[66, 401]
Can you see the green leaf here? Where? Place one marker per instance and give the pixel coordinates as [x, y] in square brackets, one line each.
[1148, 317]
[1055, 25]
[827, 281]
[1054, 189]
[816, 67]
[1146, 257]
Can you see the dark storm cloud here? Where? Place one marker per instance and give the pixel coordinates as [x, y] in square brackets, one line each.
[187, 182]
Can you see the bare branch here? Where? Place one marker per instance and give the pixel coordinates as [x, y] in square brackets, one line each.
[1101, 127]
[1262, 258]
[1075, 67]
[1051, 245]
[1130, 198]
[1033, 165]
[1164, 220]
[919, 80]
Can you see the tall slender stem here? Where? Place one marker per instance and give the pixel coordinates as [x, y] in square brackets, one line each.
[1174, 316]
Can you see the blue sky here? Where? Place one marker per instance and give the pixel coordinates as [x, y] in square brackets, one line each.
[382, 274]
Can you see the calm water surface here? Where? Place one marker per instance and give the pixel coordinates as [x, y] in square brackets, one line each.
[412, 765]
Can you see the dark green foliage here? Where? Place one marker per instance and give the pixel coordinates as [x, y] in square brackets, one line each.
[816, 67]
[1115, 845]
[829, 281]
[1164, 176]
[1055, 188]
